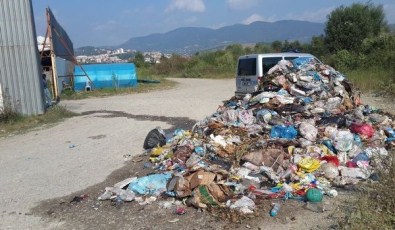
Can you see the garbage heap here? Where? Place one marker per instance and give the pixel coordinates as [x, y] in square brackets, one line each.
[302, 134]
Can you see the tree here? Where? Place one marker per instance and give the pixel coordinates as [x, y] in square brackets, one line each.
[347, 27]
[276, 46]
[285, 46]
[294, 46]
[261, 48]
[139, 59]
[235, 49]
[317, 46]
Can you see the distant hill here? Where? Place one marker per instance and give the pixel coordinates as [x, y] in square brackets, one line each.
[192, 39]
[89, 50]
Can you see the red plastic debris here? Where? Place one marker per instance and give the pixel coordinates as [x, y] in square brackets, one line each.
[364, 130]
[331, 159]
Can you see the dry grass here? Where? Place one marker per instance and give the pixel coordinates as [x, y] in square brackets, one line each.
[374, 207]
[16, 124]
[377, 80]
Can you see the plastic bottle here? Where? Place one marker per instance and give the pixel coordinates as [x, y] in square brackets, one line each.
[291, 169]
[275, 209]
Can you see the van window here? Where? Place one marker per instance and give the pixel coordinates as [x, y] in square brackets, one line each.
[247, 67]
[269, 62]
[290, 58]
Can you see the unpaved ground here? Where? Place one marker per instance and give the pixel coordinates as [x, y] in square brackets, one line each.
[41, 171]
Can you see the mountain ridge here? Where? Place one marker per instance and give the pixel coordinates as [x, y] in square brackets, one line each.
[193, 39]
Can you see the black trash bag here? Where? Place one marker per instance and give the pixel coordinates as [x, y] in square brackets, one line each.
[340, 121]
[154, 138]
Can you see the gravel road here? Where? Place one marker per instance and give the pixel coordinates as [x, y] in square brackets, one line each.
[85, 153]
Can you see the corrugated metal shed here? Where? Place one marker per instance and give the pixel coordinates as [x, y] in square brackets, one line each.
[20, 69]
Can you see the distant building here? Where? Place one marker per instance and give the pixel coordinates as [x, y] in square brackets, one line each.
[152, 57]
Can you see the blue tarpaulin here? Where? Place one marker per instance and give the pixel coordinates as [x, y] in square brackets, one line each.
[114, 75]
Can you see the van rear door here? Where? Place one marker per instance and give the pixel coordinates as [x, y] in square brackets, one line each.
[247, 80]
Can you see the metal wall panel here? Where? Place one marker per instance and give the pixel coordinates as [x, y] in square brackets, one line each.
[65, 71]
[62, 45]
[20, 68]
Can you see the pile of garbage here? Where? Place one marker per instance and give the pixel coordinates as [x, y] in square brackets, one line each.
[300, 136]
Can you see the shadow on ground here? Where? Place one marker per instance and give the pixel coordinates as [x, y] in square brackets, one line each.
[175, 122]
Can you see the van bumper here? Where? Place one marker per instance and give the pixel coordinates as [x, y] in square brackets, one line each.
[240, 94]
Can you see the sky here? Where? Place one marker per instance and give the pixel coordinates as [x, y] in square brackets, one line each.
[113, 22]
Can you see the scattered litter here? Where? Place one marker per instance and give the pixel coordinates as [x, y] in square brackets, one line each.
[80, 198]
[173, 220]
[180, 211]
[244, 205]
[275, 209]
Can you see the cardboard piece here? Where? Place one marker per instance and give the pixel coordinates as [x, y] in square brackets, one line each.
[180, 186]
[202, 198]
[219, 192]
[200, 178]
[267, 157]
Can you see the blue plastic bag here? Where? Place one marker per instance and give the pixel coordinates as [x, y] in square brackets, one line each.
[283, 131]
[301, 61]
[306, 100]
[150, 185]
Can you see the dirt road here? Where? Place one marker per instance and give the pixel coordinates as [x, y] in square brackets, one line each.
[84, 150]
[40, 171]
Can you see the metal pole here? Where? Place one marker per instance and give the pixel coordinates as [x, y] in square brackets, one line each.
[53, 60]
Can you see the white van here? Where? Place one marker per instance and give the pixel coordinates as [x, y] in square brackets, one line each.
[252, 68]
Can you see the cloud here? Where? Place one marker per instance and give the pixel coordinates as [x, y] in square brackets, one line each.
[312, 16]
[258, 17]
[253, 18]
[106, 26]
[219, 25]
[241, 4]
[188, 5]
[191, 20]
[316, 16]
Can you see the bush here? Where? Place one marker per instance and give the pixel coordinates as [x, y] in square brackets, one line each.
[8, 115]
[344, 60]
